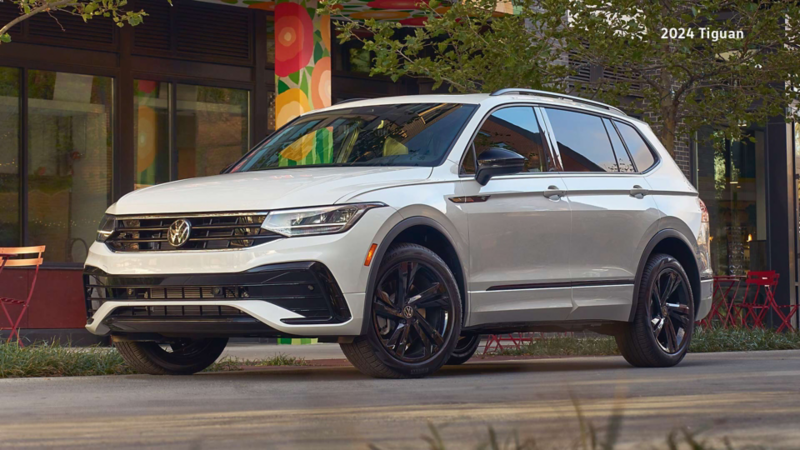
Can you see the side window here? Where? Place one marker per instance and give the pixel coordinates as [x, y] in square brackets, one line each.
[582, 142]
[516, 129]
[624, 160]
[640, 151]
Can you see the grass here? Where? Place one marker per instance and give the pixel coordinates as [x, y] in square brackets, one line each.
[55, 360]
[703, 341]
[233, 364]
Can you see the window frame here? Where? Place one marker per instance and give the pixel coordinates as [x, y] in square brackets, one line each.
[612, 119]
[555, 158]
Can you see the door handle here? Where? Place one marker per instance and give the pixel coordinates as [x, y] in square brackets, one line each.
[639, 192]
[554, 193]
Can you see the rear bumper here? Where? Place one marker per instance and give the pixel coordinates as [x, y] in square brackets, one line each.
[706, 297]
[299, 298]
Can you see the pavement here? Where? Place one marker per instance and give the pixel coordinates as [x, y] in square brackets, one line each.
[748, 398]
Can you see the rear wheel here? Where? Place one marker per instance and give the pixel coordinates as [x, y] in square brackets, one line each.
[465, 348]
[183, 357]
[663, 322]
[415, 320]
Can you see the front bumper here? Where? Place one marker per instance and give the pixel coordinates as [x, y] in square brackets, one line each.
[293, 298]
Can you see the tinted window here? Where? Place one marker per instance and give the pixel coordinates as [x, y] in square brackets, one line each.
[582, 142]
[641, 153]
[513, 129]
[414, 134]
[624, 160]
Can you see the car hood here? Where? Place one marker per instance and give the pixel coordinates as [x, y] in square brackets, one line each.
[265, 190]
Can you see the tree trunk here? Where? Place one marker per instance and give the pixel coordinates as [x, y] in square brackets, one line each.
[668, 127]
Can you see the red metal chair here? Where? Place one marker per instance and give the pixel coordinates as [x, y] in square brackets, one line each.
[723, 299]
[754, 309]
[7, 255]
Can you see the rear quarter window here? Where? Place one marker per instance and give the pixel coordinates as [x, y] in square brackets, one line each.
[638, 148]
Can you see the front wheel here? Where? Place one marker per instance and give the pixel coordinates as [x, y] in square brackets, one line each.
[663, 322]
[415, 317]
[182, 357]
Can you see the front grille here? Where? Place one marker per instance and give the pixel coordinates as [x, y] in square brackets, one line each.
[306, 288]
[208, 232]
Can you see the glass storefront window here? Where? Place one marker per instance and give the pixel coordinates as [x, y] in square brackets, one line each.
[212, 129]
[9, 157]
[151, 131]
[732, 183]
[69, 160]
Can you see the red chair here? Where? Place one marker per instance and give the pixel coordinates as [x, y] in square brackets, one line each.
[754, 309]
[726, 289]
[7, 260]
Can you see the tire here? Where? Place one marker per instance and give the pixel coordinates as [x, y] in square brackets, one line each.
[465, 348]
[185, 358]
[663, 321]
[415, 337]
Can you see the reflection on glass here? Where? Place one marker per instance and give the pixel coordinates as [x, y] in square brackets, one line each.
[514, 129]
[151, 131]
[731, 182]
[69, 160]
[587, 151]
[413, 134]
[212, 129]
[9, 156]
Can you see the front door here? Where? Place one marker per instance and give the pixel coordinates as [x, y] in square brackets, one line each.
[519, 267]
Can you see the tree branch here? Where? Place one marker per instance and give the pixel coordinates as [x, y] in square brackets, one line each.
[34, 11]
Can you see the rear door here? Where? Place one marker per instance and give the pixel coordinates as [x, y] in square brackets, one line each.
[613, 217]
[519, 268]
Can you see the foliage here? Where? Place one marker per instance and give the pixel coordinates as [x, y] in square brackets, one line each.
[233, 364]
[590, 437]
[619, 48]
[86, 9]
[56, 360]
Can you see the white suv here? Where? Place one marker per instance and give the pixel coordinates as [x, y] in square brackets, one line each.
[404, 228]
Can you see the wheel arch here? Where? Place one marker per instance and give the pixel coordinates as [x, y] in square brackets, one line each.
[675, 244]
[428, 233]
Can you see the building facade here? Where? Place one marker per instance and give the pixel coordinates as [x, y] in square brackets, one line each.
[93, 111]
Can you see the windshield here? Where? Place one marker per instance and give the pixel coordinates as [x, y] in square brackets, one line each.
[418, 134]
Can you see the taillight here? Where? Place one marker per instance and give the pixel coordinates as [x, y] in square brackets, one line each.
[703, 210]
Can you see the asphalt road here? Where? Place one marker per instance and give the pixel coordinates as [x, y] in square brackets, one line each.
[750, 398]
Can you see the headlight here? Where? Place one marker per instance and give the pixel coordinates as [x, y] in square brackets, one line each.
[315, 221]
[106, 229]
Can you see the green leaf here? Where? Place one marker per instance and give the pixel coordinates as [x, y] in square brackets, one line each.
[295, 77]
[304, 84]
[5, 38]
[282, 87]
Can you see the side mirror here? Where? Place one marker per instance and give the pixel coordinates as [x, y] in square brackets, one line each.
[498, 161]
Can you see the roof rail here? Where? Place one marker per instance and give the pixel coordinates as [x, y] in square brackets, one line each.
[512, 91]
[348, 100]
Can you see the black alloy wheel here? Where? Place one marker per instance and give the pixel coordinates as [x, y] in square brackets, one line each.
[669, 311]
[415, 316]
[663, 320]
[412, 311]
[180, 357]
[465, 348]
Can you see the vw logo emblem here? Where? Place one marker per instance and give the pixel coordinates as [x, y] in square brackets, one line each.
[179, 232]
